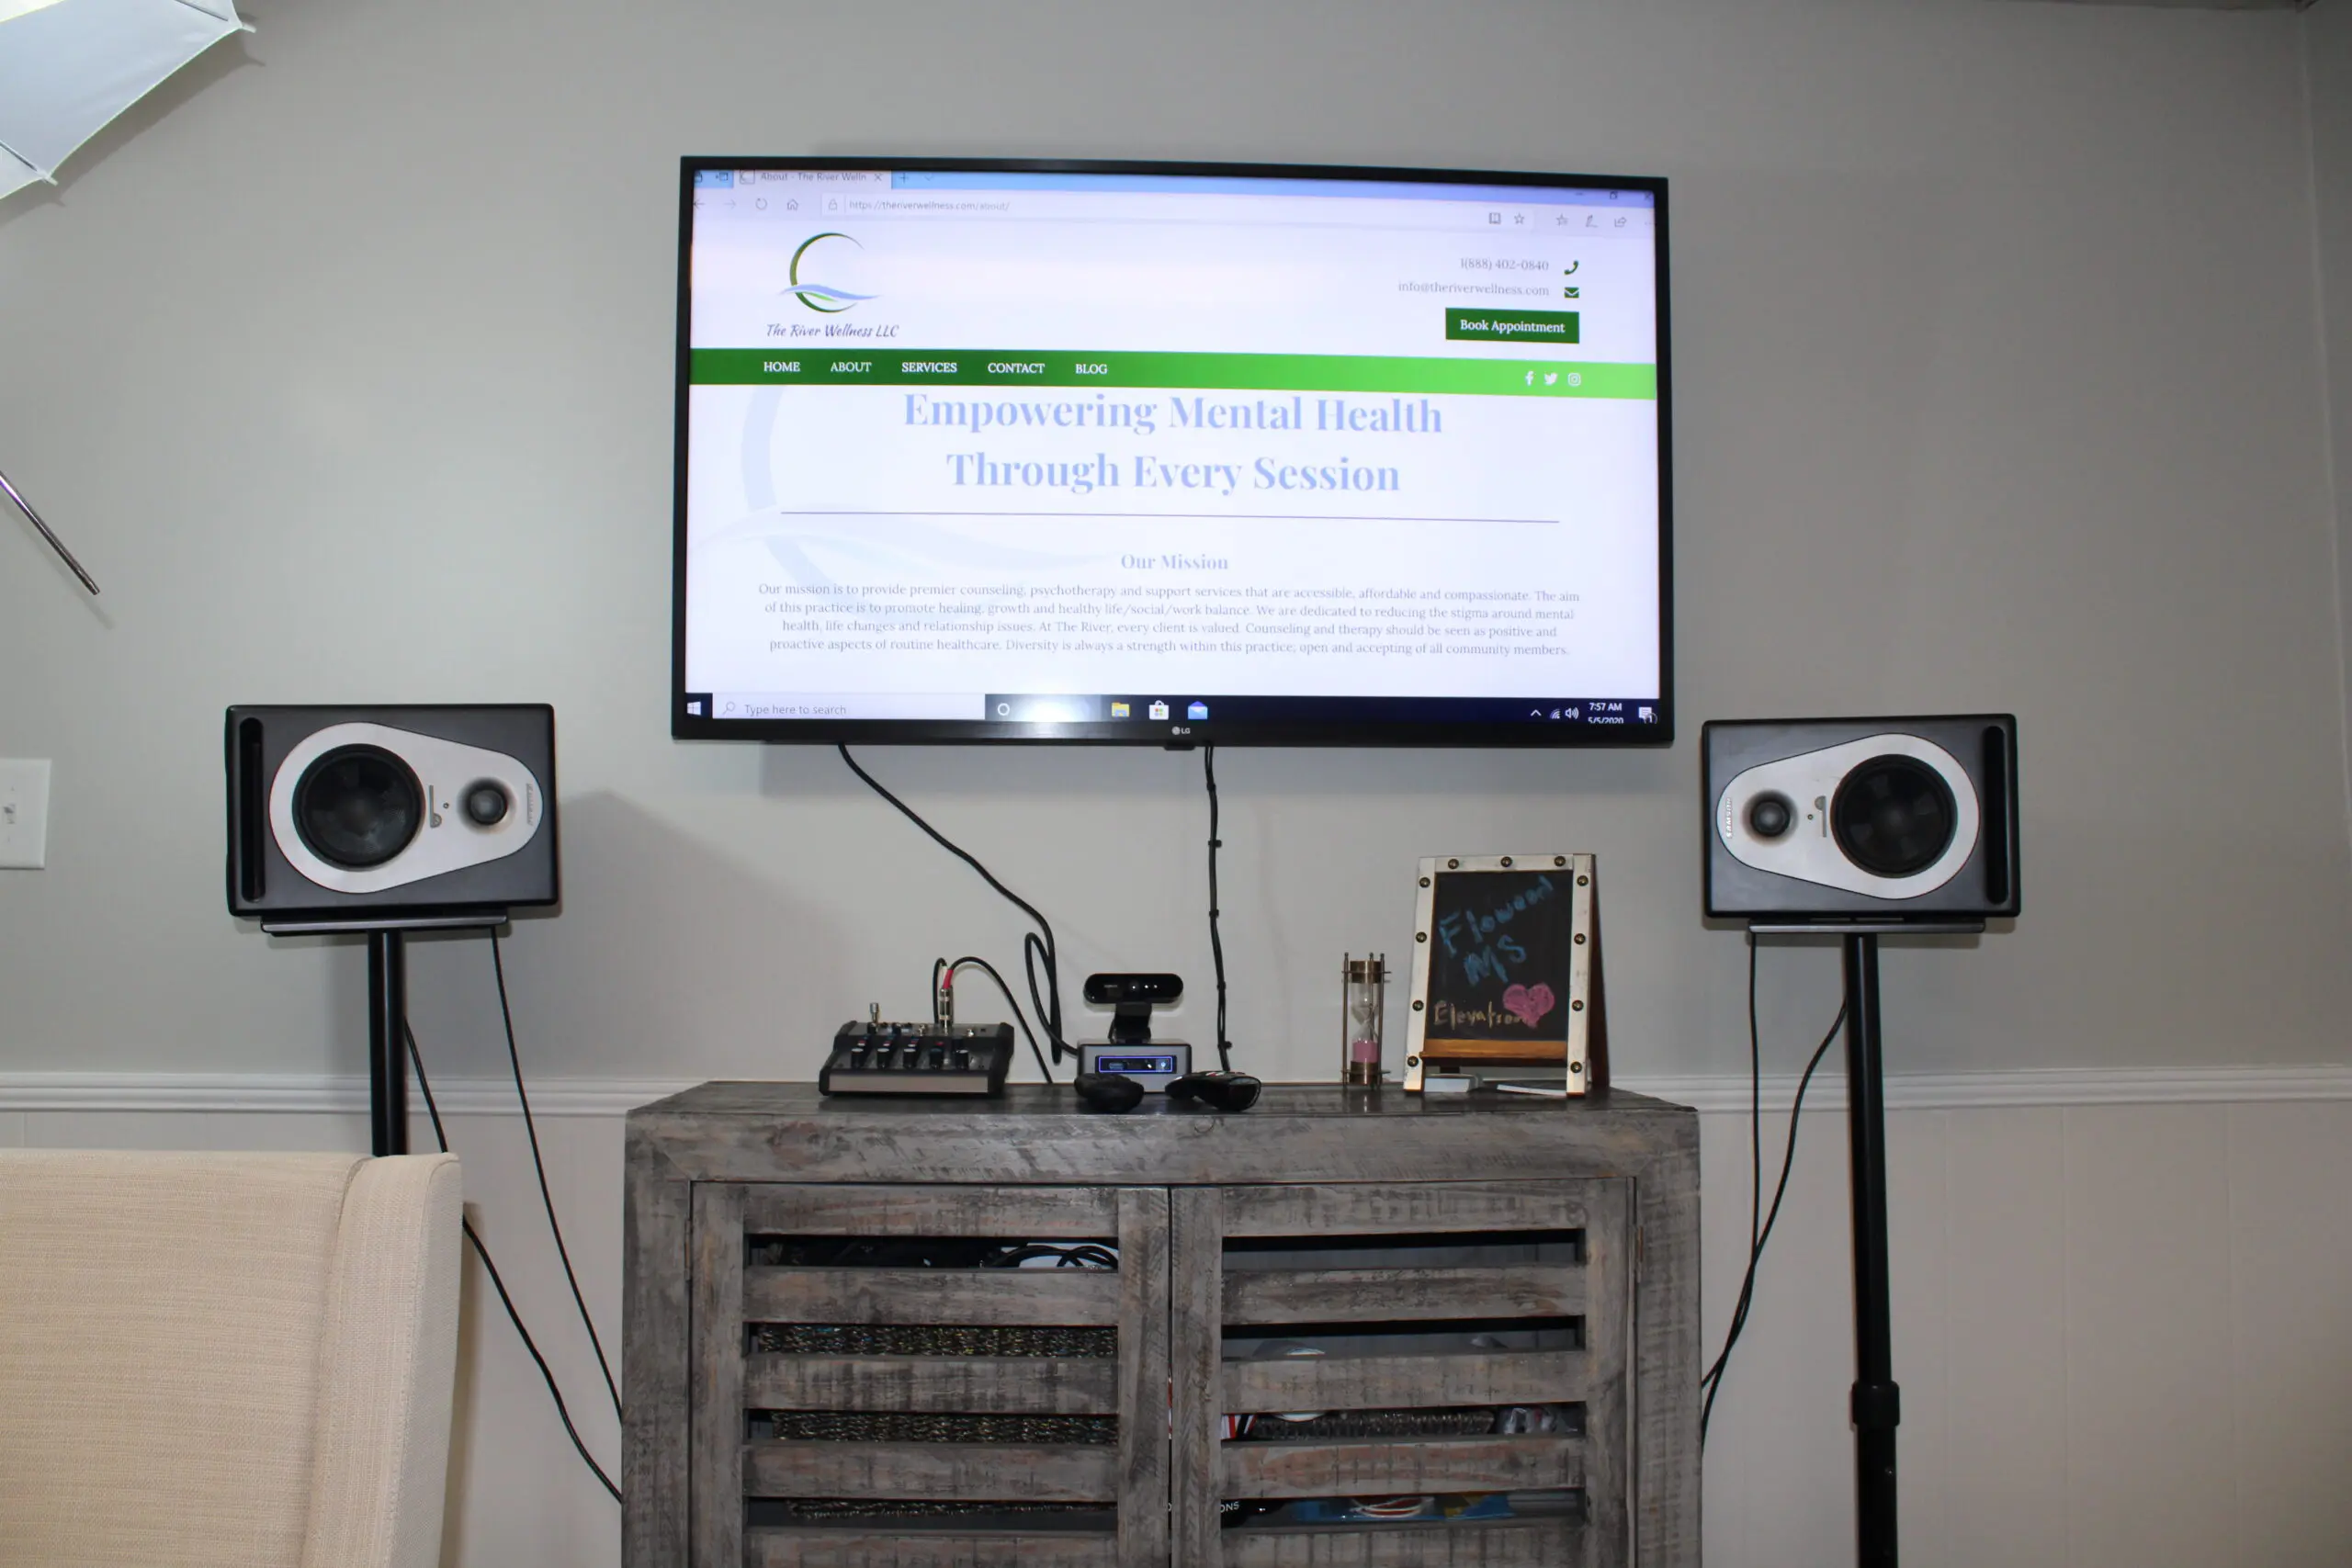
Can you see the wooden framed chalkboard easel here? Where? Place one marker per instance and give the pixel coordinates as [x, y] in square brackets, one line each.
[1507, 971]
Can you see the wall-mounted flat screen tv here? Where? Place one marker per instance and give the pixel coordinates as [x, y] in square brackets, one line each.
[1170, 454]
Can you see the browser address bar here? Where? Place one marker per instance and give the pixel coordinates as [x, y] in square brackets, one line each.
[923, 204]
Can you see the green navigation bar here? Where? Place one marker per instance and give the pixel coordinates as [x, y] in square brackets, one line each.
[1221, 372]
[1519, 326]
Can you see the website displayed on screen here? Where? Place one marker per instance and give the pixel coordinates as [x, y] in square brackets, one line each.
[1180, 452]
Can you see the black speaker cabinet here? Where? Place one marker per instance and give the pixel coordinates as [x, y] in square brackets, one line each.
[396, 813]
[1871, 819]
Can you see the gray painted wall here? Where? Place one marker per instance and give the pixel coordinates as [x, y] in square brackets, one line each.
[2328, 64]
[346, 364]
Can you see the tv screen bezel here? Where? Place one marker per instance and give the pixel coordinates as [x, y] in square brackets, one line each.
[1345, 731]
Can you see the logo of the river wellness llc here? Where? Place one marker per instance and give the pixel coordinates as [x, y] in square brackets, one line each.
[822, 298]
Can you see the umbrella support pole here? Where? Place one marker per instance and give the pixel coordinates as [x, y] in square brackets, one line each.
[54, 541]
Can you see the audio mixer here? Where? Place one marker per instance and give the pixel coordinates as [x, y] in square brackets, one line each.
[875, 1057]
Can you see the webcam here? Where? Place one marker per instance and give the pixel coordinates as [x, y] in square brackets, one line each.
[1113, 990]
[1132, 997]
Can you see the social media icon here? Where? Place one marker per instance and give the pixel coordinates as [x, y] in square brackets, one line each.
[1159, 712]
[1197, 711]
[1118, 710]
[1551, 378]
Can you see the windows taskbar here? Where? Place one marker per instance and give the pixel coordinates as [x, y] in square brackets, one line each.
[1146, 719]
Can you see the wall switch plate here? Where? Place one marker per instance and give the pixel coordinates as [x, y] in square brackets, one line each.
[24, 815]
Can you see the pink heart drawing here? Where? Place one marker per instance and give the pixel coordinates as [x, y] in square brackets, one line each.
[1527, 1003]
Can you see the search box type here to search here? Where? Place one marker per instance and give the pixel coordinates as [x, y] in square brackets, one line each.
[835, 705]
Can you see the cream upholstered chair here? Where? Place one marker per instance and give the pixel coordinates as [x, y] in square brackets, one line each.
[223, 1358]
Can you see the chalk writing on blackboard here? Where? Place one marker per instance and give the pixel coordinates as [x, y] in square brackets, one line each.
[1501, 950]
[1523, 1005]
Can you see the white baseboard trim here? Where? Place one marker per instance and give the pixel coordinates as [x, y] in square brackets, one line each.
[2022, 1087]
[1716, 1092]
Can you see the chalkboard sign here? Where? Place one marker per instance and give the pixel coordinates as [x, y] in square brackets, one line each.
[1506, 968]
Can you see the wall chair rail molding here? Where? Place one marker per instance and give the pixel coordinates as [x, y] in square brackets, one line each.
[1723, 1092]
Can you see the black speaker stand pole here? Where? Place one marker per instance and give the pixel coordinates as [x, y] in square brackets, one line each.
[1877, 1402]
[387, 1042]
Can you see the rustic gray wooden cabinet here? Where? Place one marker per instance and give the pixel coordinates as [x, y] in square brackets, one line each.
[832, 1361]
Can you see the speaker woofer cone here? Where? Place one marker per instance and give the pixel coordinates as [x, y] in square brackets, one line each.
[1894, 816]
[358, 807]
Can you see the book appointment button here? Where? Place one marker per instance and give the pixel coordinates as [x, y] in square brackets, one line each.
[1514, 326]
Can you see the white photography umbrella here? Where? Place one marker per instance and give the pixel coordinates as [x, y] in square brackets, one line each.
[69, 66]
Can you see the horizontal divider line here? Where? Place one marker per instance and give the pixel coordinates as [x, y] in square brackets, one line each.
[1175, 516]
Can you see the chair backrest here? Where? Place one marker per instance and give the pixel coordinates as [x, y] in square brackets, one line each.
[225, 1358]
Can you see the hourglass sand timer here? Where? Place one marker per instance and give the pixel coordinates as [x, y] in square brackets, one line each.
[1364, 997]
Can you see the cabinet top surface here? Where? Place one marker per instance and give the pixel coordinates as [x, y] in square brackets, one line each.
[1029, 1102]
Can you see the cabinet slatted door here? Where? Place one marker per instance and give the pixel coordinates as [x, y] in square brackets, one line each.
[930, 1377]
[1425, 1375]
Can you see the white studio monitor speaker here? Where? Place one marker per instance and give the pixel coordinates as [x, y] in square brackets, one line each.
[1862, 820]
[393, 813]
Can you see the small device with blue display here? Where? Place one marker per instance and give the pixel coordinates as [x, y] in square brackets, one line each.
[1131, 1052]
[1154, 1065]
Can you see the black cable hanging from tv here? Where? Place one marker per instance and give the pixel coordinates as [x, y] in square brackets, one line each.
[1217, 943]
[1034, 954]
